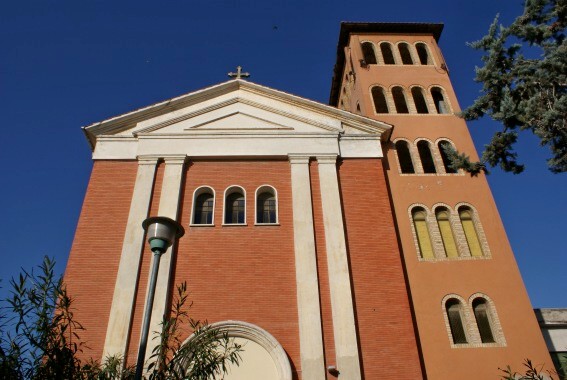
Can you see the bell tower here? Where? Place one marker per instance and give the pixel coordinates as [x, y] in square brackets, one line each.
[469, 301]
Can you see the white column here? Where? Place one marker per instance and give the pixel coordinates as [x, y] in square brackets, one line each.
[168, 206]
[346, 345]
[117, 331]
[309, 313]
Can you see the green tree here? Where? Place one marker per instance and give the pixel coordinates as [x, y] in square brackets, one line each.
[40, 338]
[531, 373]
[523, 93]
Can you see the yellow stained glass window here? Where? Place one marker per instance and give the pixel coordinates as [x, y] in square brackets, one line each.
[465, 214]
[422, 232]
[446, 233]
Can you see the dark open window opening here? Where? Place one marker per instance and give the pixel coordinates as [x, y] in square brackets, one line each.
[405, 54]
[204, 209]
[423, 54]
[266, 208]
[442, 145]
[379, 98]
[387, 54]
[453, 308]
[404, 156]
[439, 100]
[480, 309]
[419, 100]
[400, 100]
[368, 53]
[234, 209]
[426, 157]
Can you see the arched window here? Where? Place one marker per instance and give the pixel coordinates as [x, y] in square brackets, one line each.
[444, 222]
[368, 53]
[404, 157]
[379, 98]
[405, 54]
[203, 206]
[422, 53]
[466, 216]
[400, 100]
[481, 314]
[266, 205]
[453, 308]
[419, 217]
[234, 206]
[387, 54]
[442, 145]
[439, 100]
[419, 100]
[425, 156]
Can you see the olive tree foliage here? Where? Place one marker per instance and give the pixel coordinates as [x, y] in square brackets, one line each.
[520, 92]
[40, 338]
[531, 372]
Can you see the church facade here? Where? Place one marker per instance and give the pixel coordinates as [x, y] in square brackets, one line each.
[331, 240]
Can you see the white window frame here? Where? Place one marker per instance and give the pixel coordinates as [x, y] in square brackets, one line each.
[259, 190]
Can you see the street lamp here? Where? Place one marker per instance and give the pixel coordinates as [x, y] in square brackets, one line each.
[161, 233]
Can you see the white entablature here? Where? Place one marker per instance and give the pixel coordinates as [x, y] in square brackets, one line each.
[238, 119]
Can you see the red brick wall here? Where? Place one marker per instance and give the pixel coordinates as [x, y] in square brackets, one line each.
[386, 333]
[247, 272]
[93, 262]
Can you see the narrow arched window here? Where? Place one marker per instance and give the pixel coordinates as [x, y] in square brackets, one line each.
[404, 157]
[266, 205]
[425, 156]
[481, 315]
[439, 100]
[443, 145]
[444, 222]
[466, 216]
[419, 217]
[203, 206]
[387, 54]
[454, 315]
[400, 100]
[422, 53]
[235, 206]
[419, 100]
[405, 54]
[368, 53]
[379, 98]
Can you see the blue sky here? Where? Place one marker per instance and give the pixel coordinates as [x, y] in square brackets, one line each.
[67, 64]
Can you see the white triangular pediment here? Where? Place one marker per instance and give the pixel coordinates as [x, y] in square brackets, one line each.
[235, 115]
[239, 121]
[233, 106]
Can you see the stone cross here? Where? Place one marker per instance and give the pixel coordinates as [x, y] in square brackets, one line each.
[238, 74]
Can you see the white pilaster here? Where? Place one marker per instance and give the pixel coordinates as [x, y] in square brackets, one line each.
[309, 313]
[132, 247]
[346, 345]
[168, 206]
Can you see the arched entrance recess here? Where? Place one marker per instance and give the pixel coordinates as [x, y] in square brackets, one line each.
[263, 357]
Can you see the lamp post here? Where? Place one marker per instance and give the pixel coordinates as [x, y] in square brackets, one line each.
[161, 233]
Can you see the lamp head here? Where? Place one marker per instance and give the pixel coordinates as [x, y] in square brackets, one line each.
[162, 232]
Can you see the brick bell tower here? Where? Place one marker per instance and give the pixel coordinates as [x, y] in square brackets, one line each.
[469, 302]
